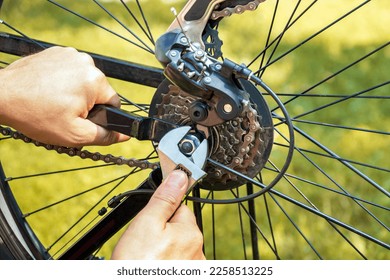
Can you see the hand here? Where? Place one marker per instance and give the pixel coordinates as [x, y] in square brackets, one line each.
[47, 96]
[161, 230]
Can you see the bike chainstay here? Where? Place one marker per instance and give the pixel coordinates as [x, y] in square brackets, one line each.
[84, 154]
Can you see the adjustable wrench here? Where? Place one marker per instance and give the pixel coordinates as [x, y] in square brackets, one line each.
[179, 149]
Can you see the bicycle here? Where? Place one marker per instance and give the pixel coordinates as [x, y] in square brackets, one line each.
[297, 172]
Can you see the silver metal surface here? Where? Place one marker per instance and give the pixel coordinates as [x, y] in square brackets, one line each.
[171, 157]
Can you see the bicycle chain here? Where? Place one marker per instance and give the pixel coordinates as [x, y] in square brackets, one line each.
[237, 9]
[83, 154]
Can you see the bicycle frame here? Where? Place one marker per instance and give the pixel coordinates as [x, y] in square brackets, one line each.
[111, 67]
[115, 220]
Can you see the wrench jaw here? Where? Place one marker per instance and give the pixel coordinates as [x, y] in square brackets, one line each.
[172, 158]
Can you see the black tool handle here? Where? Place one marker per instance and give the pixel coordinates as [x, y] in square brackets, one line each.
[140, 127]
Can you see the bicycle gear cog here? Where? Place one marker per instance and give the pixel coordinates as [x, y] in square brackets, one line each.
[212, 42]
[242, 144]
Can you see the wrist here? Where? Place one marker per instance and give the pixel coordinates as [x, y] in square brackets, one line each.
[6, 111]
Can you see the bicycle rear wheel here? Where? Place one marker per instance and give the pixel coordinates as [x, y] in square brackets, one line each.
[335, 193]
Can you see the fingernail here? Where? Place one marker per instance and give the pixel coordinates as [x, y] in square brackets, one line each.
[177, 179]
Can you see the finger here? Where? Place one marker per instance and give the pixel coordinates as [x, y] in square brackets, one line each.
[92, 134]
[167, 197]
[105, 93]
[183, 215]
[200, 256]
[106, 137]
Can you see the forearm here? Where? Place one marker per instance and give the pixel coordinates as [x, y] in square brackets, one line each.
[19, 105]
[6, 111]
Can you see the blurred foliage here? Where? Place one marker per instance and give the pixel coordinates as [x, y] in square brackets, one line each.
[300, 71]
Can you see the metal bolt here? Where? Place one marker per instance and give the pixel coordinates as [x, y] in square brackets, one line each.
[218, 67]
[199, 54]
[189, 144]
[180, 68]
[173, 53]
[207, 80]
[227, 108]
[187, 147]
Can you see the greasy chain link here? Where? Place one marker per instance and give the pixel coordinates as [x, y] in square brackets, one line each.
[237, 9]
[108, 158]
[84, 154]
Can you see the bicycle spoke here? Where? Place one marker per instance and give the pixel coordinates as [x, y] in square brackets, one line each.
[100, 26]
[313, 36]
[81, 218]
[241, 223]
[324, 182]
[338, 96]
[258, 229]
[3, 63]
[331, 219]
[342, 99]
[5, 138]
[343, 194]
[341, 126]
[342, 70]
[270, 225]
[267, 42]
[22, 34]
[71, 197]
[279, 39]
[142, 107]
[146, 31]
[56, 172]
[123, 25]
[253, 222]
[345, 163]
[340, 187]
[297, 228]
[295, 187]
[77, 234]
[213, 229]
[375, 167]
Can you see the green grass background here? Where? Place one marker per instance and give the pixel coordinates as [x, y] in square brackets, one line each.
[312, 62]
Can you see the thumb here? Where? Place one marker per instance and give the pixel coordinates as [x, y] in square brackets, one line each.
[96, 135]
[106, 137]
[168, 197]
